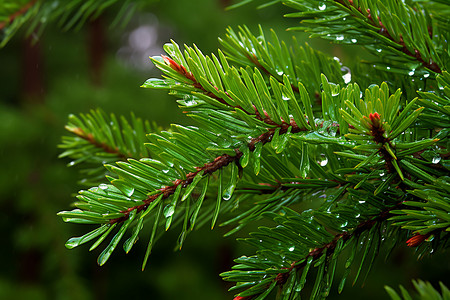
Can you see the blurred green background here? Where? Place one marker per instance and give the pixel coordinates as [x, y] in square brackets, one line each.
[44, 79]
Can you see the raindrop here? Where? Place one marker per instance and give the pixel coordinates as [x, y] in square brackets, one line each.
[362, 201]
[292, 248]
[165, 171]
[411, 73]
[227, 194]
[339, 38]
[169, 210]
[426, 75]
[103, 186]
[322, 7]
[348, 76]
[436, 159]
[379, 50]
[223, 141]
[323, 161]
[388, 68]
[190, 102]
[354, 40]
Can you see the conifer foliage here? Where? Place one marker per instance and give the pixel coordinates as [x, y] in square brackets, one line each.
[281, 124]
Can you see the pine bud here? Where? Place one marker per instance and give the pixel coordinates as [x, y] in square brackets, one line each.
[416, 240]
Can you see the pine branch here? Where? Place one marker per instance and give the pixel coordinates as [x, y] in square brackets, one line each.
[106, 148]
[259, 274]
[100, 139]
[208, 169]
[181, 70]
[276, 59]
[380, 27]
[68, 15]
[372, 162]
[385, 32]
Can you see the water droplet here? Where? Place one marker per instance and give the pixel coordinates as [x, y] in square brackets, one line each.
[71, 163]
[72, 243]
[339, 38]
[388, 68]
[189, 102]
[354, 40]
[348, 76]
[436, 159]
[322, 7]
[379, 50]
[169, 210]
[280, 73]
[323, 161]
[227, 194]
[411, 73]
[292, 248]
[103, 186]
[223, 141]
[426, 75]
[165, 171]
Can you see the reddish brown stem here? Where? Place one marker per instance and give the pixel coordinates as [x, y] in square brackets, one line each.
[91, 139]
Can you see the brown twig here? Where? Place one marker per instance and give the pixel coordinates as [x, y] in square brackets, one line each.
[91, 139]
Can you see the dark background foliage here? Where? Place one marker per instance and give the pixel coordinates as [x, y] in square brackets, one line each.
[43, 79]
